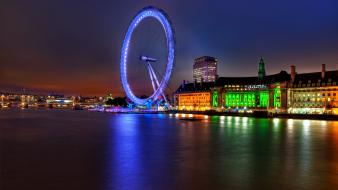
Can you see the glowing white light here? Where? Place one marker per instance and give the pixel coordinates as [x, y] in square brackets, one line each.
[183, 115]
[206, 117]
[190, 115]
[306, 123]
[290, 122]
[323, 123]
[306, 127]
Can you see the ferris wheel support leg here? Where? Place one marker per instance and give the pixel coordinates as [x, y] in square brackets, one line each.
[130, 106]
[158, 84]
[148, 105]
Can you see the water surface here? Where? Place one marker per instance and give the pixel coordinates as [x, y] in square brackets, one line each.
[64, 149]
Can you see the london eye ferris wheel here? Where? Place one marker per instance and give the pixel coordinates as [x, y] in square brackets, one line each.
[158, 83]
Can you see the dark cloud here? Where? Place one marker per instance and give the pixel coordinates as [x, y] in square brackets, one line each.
[74, 46]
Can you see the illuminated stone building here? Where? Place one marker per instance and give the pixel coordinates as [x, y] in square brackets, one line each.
[205, 69]
[194, 96]
[245, 94]
[251, 93]
[313, 93]
[260, 93]
[306, 93]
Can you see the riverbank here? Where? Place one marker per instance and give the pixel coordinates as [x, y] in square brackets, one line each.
[260, 114]
[263, 115]
[212, 113]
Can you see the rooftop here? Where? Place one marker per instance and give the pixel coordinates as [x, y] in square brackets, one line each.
[269, 79]
[206, 58]
[315, 77]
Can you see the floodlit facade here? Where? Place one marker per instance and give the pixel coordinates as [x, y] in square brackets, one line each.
[306, 93]
[205, 69]
[243, 94]
[238, 94]
[194, 96]
[196, 101]
[246, 94]
[313, 93]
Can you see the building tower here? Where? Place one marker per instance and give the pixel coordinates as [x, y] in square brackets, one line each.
[261, 69]
[205, 69]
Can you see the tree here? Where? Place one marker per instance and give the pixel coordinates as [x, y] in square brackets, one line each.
[118, 101]
[110, 102]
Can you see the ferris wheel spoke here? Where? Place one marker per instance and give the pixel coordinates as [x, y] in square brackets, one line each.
[158, 84]
[154, 75]
[151, 76]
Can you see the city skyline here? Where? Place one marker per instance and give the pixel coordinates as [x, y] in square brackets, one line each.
[145, 94]
[74, 48]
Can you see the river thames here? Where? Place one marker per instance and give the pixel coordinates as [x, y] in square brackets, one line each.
[65, 149]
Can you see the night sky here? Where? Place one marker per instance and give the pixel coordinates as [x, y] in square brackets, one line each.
[73, 46]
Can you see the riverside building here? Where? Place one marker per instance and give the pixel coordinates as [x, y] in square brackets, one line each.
[306, 93]
[313, 93]
[194, 96]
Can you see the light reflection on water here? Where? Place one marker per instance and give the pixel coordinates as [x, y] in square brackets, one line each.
[226, 152]
[135, 151]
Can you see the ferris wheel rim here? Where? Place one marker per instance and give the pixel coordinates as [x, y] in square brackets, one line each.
[162, 17]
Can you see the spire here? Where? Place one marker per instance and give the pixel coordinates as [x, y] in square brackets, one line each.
[262, 60]
[261, 69]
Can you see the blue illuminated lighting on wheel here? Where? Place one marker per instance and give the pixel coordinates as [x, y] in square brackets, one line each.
[161, 16]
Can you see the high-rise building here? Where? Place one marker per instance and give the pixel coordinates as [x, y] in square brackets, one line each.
[205, 69]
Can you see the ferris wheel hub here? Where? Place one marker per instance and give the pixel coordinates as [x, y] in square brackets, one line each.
[147, 59]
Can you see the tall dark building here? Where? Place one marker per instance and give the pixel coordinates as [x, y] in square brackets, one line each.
[205, 69]
[261, 69]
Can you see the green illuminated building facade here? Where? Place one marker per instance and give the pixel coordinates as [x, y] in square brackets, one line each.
[251, 93]
[261, 93]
